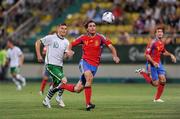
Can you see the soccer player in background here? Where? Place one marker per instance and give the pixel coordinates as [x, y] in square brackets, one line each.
[45, 76]
[92, 44]
[56, 51]
[153, 55]
[3, 62]
[15, 59]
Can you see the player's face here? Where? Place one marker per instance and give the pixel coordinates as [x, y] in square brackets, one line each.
[91, 28]
[9, 44]
[159, 33]
[62, 30]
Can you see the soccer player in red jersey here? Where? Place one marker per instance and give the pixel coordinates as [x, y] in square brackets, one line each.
[45, 76]
[92, 44]
[153, 55]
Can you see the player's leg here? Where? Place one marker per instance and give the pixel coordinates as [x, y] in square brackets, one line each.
[87, 89]
[77, 88]
[43, 85]
[88, 71]
[14, 79]
[145, 74]
[20, 77]
[59, 99]
[57, 74]
[154, 74]
[44, 81]
[161, 84]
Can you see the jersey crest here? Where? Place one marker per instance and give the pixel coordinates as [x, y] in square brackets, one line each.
[55, 45]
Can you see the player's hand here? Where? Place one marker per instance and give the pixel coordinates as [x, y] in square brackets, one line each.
[40, 59]
[116, 59]
[64, 81]
[173, 58]
[70, 53]
[156, 64]
[20, 64]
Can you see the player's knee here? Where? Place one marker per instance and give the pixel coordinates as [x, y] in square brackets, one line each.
[88, 84]
[77, 90]
[155, 83]
[64, 80]
[88, 75]
[162, 82]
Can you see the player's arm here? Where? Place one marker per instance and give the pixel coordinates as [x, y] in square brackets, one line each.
[148, 56]
[38, 53]
[21, 59]
[108, 43]
[114, 53]
[166, 53]
[76, 42]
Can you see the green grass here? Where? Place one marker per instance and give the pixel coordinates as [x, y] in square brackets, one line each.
[113, 101]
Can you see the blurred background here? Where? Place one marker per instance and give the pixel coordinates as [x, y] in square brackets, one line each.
[25, 21]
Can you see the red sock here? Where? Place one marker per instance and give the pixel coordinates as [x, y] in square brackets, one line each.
[43, 84]
[146, 77]
[160, 90]
[88, 91]
[69, 87]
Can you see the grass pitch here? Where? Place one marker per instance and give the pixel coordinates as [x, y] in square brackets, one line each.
[113, 101]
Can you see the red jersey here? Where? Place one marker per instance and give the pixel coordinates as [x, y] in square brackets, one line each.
[155, 48]
[92, 47]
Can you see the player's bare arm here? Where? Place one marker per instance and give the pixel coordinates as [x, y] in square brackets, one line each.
[37, 46]
[21, 60]
[148, 57]
[114, 53]
[69, 52]
[173, 58]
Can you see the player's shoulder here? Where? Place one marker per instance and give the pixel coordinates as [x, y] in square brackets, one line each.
[8, 50]
[82, 36]
[151, 42]
[17, 49]
[50, 36]
[101, 36]
[66, 40]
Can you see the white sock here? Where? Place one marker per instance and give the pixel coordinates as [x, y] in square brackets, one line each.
[16, 82]
[21, 78]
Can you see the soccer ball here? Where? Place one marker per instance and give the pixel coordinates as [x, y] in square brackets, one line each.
[108, 17]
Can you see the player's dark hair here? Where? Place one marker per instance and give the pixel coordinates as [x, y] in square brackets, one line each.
[88, 22]
[159, 27]
[11, 41]
[62, 24]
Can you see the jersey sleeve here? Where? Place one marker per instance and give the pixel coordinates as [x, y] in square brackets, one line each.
[19, 51]
[164, 50]
[105, 40]
[46, 40]
[67, 44]
[149, 47]
[77, 41]
[8, 54]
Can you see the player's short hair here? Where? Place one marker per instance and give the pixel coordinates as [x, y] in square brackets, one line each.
[62, 24]
[159, 27]
[88, 22]
[11, 41]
